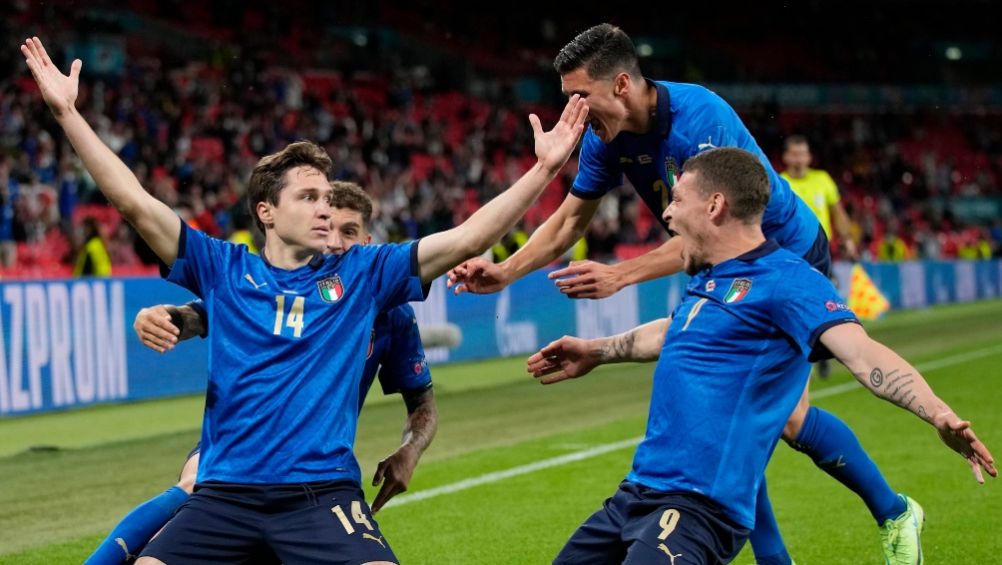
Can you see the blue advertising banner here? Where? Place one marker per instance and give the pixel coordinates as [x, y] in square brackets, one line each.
[70, 343]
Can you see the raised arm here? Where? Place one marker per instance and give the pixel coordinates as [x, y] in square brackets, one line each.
[154, 220]
[572, 357]
[396, 470]
[890, 377]
[441, 251]
[589, 279]
[555, 236]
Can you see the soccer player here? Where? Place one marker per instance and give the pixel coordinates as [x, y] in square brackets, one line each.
[395, 353]
[732, 359]
[647, 130]
[817, 189]
[291, 326]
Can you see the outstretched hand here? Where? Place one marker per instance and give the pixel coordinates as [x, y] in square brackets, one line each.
[554, 147]
[58, 90]
[567, 358]
[587, 279]
[155, 328]
[958, 436]
[477, 275]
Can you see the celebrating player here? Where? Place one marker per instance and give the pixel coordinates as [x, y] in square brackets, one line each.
[291, 327]
[647, 130]
[395, 353]
[732, 359]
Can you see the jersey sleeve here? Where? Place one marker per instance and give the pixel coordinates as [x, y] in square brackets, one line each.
[806, 305]
[394, 274]
[200, 260]
[713, 123]
[596, 175]
[403, 366]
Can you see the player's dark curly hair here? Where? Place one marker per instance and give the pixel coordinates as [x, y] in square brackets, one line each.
[268, 177]
[351, 196]
[736, 173]
[603, 50]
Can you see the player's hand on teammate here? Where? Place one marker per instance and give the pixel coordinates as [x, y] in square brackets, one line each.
[156, 329]
[58, 90]
[958, 435]
[395, 474]
[567, 358]
[587, 279]
[555, 146]
[477, 275]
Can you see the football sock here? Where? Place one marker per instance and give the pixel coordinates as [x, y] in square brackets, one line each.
[765, 539]
[834, 448]
[135, 530]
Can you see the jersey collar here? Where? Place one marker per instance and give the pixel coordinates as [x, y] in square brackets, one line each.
[315, 263]
[766, 248]
[662, 111]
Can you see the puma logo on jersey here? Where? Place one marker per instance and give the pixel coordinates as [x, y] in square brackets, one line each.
[125, 548]
[378, 540]
[708, 145]
[667, 551]
[251, 280]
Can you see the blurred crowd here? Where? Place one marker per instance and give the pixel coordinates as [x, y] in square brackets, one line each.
[192, 128]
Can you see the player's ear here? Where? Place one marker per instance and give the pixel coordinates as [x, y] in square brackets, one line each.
[265, 213]
[715, 205]
[622, 84]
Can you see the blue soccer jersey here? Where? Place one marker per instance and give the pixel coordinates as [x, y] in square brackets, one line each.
[734, 363]
[286, 354]
[689, 119]
[396, 354]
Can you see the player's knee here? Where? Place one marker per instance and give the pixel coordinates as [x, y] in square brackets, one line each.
[149, 561]
[187, 483]
[796, 422]
[189, 472]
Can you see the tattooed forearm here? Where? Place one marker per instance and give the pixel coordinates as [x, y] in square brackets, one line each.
[622, 346]
[194, 325]
[422, 419]
[898, 388]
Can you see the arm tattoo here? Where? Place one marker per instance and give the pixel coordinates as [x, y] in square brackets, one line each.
[622, 346]
[896, 387]
[422, 419]
[194, 325]
[876, 377]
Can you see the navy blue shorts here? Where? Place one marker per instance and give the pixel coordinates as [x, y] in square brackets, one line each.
[639, 525]
[325, 522]
[820, 254]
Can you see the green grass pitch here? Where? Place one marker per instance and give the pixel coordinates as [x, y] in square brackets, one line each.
[566, 447]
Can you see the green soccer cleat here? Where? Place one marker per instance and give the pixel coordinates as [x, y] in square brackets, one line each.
[902, 536]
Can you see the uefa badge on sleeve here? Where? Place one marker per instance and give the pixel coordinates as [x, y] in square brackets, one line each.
[331, 289]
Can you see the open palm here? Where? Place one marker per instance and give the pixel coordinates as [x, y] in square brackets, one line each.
[58, 90]
[554, 147]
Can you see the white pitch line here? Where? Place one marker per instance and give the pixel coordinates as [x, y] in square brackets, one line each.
[496, 476]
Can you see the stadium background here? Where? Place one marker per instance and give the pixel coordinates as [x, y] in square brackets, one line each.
[424, 104]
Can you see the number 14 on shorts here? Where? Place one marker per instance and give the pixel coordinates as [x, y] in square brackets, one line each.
[356, 513]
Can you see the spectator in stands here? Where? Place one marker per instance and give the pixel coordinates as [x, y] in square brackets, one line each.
[8, 203]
